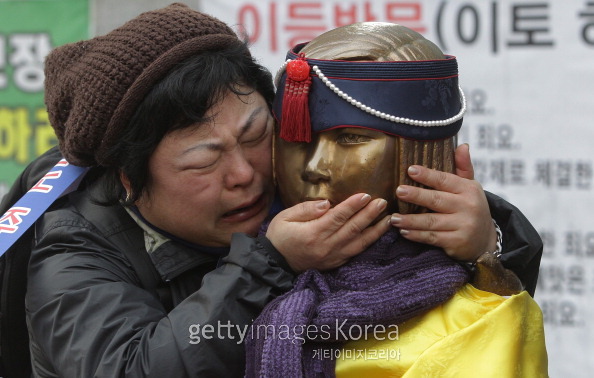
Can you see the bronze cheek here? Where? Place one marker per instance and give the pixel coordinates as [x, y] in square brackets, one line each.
[335, 165]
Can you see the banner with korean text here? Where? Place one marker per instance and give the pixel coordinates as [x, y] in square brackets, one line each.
[29, 29]
[527, 68]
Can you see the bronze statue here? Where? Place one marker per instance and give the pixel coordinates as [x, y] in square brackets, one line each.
[352, 126]
[341, 161]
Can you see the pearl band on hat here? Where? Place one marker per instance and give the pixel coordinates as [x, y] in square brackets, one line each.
[377, 113]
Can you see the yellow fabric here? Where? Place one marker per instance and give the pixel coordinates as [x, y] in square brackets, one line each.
[474, 334]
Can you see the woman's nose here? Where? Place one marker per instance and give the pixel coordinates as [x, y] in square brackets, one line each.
[241, 171]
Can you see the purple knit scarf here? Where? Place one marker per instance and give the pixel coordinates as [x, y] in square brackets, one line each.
[392, 281]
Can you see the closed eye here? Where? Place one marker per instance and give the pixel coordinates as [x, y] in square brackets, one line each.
[258, 138]
[348, 138]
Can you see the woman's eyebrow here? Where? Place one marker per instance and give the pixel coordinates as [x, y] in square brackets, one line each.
[219, 146]
[250, 121]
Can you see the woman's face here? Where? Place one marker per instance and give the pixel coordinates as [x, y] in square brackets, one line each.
[214, 179]
[336, 164]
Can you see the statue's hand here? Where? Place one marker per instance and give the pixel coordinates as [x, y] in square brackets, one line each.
[461, 222]
[313, 235]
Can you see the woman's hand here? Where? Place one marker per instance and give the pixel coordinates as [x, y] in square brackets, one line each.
[313, 235]
[461, 222]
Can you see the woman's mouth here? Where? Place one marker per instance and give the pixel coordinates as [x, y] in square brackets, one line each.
[246, 212]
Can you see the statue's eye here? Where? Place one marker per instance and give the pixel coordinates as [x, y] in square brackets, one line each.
[348, 138]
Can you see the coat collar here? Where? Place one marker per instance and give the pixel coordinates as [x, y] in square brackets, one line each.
[172, 256]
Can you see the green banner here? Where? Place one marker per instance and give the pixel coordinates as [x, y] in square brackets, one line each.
[29, 30]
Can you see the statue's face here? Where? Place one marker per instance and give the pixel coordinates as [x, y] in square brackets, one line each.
[336, 164]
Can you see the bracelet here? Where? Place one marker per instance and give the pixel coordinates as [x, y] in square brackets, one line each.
[498, 251]
[470, 266]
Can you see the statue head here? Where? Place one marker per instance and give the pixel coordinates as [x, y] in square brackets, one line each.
[377, 98]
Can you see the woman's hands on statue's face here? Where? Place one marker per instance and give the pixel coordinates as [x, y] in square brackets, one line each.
[336, 187]
[313, 235]
[461, 222]
[341, 162]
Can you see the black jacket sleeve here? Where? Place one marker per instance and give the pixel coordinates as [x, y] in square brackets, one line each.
[522, 245]
[89, 316]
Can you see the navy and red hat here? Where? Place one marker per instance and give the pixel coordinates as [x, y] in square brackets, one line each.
[419, 100]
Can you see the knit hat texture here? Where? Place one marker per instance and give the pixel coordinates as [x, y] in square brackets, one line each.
[93, 87]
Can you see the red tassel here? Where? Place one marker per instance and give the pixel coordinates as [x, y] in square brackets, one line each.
[295, 122]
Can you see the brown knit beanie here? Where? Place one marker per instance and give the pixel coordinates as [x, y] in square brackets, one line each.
[92, 88]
